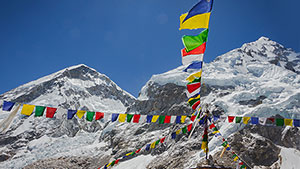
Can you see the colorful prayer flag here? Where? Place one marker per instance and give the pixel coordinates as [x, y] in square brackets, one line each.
[194, 55]
[71, 114]
[161, 119]
[178, 119]
[80, 113]
[193, 118]
[173, 135]
[99, 115]
[288, 122]
[136, 118]
[230, 119]
[152, 145]
[178, 131]
[155, 118]
[90, 116]
[39, 111]
[212, 126]
[184, 130]
[149, 118]
[296, 122]
[193, 86]
[192, 42]
[198, 16]
[162, 140]
[147, 147]
[122, 118]
[189, 127]
[194, 65]
[27, 109]
[238, 119]
[183, 119]
[114, 117]
[254, 120]
[7, 106]
[167, 119]
[193, 76]
[279, 122]
[50, 111]
[129, 117]
[246, 120]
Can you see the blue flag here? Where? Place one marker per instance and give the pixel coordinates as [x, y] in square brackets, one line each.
[71, 114]
[149, 118]
[147, 147]
[296, 122]
[194, 65]
[254, 120]
[204, 6]
[216, 118]
[114, 117]
[178, 120]
[173, 135]
[7, 106]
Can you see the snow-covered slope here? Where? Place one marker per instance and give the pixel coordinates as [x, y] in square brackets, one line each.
[259, 79]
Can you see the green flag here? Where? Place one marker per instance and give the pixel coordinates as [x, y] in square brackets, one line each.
[90, 116]
[238, 119]
[39, 111]
[224, 143]
[279, 122]
[192, 42]
[184, 130]
[161, 119]
[157, 142]
[129, 117]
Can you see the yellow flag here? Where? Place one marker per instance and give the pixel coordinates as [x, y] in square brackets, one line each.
[183, 119]
[27, 109]
[204, 145]
[154, 118]
[214, 132]
[128, 154]
[198, 97]
[194, 76]
[236, 158]
[195, 22]
[178, 131]
[152, 145]
[122, 118]
[246, 120]
[80, 113]
[288, 122]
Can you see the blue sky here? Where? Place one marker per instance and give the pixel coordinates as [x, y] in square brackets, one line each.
[128, 40]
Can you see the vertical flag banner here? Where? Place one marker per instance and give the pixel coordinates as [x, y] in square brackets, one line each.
[198, 16]
[192, 42]
[194, 55]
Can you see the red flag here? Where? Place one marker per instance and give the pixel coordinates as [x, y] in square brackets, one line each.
[272, 119]
[196, 51]
[196, 105]
[167, 119]
[193, 117]
[192, 87]
[230, 119]
[137, 151]
[99, 115]
[212, 126]
[117, 161]
[162, 140]
[50, 112]
[189, 127]
[136, 118]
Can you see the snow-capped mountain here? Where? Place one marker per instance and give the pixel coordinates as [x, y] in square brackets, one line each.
[259, 79]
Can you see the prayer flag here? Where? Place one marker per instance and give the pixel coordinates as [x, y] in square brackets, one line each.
[194, 65]
[71, 114]
[194, 107]
[167, 119]
[173, 135]
[271, 119]
[246, 120]
[114, 117]
[194, 55]
[157, 142]
[224, 144]
[192, 87]
[149, 118]
[192, 42]
[230, 119]
[39, 111]
[154, 118]
[152, 145]
[27, 109]
[113, 163]
[147, 147]
[137, 151]
[204, 145]
[99, 115]
[80, 113]
[129, 117]
[136, 118]
[183, 119]
[193, 117]
[254, 120]
[90, 116]
[279, 122]
[161, 119]
[216, 118]
[193, 76]
[162, 140]
[184, 130]
[193, 100]
[7, 106]
[50, 111]
[212, 126]
[238, 119]
[288, 122]
[189, 127]
[236, 158]
[262, 120]
[122, 118]
[296, 122]
[178, 131]
[117, 161]
[178, 119]
[197, 16]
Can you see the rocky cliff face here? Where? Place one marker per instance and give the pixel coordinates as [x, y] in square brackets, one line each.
[259, 79]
